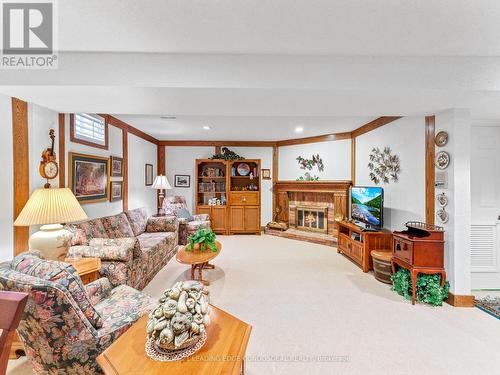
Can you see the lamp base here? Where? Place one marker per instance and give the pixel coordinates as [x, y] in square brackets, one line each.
[53, 241]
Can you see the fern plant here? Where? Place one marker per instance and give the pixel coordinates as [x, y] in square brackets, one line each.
[204, 238]
[429, 289]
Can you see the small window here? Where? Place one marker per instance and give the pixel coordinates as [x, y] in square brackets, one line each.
[89, 129]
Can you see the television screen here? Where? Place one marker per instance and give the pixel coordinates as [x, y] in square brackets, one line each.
[367, 205]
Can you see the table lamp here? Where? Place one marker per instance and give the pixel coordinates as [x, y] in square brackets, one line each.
[160, 183]
[50, 207]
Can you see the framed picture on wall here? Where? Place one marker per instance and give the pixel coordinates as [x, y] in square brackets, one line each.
[88, 177]
[266, 174]
[116, 166]
[182, 180]
[148, 173]
[116, 191]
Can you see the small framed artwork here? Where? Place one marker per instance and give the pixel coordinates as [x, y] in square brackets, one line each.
[148, 175]
[266, 174]
[116, 166]
[116, 191]
[88, 177]
[182, 180]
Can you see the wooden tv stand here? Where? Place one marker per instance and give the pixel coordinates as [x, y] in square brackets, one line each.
[357, 244]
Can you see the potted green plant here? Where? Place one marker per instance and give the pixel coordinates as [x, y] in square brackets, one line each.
[429, 289]
[203, 239]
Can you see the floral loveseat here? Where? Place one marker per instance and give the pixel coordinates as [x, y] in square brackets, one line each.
[66, 325]
[132, 247]
[171, 205]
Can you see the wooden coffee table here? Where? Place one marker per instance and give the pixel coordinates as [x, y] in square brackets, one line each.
[223, 352]
[198, 260]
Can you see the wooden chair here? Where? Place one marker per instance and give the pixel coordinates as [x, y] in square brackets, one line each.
[11, 311]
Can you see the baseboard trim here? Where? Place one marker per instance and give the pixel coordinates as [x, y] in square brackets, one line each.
[460, 300]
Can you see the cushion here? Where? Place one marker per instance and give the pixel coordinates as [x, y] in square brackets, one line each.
[123, 249]
[183, 213]
[117, 226]
[138, 220]
[84, 232]
[62, 274]
[162, 224]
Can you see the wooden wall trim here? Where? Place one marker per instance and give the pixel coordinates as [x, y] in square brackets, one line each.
[275, 177]
[430, 170]
[62, 151]
[21, 176]
[218, 143]
[460, 300]
[161, 168]
[353, 160]
[129, 128]
[125, 168]
[372, 125]
[315, 139]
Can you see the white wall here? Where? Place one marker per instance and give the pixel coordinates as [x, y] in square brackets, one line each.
[266, 195]
[404, 200]
[180, 160]
[140, 153]
[104, 208]
[7, 187]
[457, 247]
[336, 157]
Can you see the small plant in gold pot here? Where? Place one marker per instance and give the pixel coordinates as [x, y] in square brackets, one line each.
[202, 240]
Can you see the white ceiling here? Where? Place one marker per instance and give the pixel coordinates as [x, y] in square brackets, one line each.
[266, 65]
[325, 27]
[242, 128]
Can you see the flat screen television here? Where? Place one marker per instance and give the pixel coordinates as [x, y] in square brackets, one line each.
[367, 205]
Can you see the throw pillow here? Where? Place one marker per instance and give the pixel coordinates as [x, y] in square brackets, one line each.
[183, 213]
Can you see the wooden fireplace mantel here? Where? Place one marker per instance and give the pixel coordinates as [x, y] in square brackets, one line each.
[313, 186]
[283, 189]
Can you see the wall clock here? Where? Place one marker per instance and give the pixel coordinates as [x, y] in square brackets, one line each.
[48, 165]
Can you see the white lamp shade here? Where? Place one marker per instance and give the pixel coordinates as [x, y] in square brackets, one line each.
[161, 182]
[51, 206]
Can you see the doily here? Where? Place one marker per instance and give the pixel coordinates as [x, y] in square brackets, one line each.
[158, 354]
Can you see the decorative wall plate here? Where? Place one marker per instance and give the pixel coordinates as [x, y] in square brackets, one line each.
[442, 160]
[442, 199]
[443, 215]
[441, 139]
[243, 169]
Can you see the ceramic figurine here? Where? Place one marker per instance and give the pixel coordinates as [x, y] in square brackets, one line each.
[180, 319]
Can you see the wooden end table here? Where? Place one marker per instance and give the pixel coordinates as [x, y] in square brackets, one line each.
[88, 270]
[223, 352]
[198, 260]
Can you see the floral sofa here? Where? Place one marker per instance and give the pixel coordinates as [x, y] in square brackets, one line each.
[66, 325]
[171, 204]
[132, 247]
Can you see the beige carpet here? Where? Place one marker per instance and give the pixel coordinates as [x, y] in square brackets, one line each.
[305, 301]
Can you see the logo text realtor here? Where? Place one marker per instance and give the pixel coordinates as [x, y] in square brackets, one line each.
[28, 35]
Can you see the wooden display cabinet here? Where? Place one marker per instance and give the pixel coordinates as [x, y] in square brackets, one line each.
[211, 183]
[244, 196]
[357, 244]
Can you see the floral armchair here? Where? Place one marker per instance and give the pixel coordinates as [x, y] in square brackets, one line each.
[66, 325]
[186, 227]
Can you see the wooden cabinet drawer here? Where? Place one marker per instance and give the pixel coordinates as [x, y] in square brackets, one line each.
[356, 251]
[244, 198]
[402, 249]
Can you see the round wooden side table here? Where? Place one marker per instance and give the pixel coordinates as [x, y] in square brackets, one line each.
[198, 260]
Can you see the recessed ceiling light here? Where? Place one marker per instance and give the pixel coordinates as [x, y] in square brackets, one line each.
[206, 127]
[168, 117]
[299, 129]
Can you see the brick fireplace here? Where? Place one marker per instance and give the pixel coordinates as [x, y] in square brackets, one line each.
[314, 202]
[329, 197]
